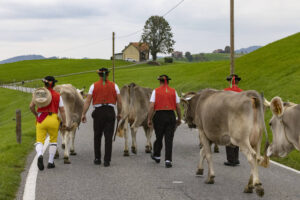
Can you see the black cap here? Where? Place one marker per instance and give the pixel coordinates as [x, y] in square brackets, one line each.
[103, 70]
[164, 77]
[49, 78]
[237, 78]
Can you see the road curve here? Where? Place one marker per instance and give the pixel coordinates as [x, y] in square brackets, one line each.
[138, 177]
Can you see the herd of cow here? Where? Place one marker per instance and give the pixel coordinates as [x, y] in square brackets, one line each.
[222, 118]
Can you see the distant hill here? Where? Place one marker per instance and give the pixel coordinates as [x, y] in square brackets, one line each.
[23, 57]
[247, 50]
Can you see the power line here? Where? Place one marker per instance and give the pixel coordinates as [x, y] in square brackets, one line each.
[173, 8]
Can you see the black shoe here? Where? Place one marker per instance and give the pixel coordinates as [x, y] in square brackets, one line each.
[97, 161]
[40, 163]
[51, 165]
[106, 163]
[232, 164]
[168, 164]
[157, 160]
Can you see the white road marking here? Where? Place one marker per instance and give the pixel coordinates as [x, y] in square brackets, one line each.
[176, 182]
[30, 185]
[285, 167]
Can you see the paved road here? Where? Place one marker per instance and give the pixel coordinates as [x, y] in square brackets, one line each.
[138, 177]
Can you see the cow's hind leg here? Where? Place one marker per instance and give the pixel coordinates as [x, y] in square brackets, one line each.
[56, 156]
[72, 148]
[148, 132]
[201, 161]
[66, 153]
[254, 179]
[126, 152]
[207, 151]
[133, 139]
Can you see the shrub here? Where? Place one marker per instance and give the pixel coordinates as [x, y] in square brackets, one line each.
[168, 60]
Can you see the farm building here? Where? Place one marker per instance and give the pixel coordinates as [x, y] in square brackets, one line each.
[136, 51]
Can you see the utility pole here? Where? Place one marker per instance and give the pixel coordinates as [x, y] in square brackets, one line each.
[113, 55]
[231, 36]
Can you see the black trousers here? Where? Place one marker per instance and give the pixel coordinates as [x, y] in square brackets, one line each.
[232, 153]
[164, 125]
[104, 122]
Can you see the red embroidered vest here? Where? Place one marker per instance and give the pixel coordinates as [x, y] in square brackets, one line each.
[104, 94]
[165, 98]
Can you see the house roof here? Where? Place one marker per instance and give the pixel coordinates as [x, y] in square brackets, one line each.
[141, 47]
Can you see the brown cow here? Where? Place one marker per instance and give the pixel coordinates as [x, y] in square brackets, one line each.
[225, 118]
[73, 103]
[136, 101]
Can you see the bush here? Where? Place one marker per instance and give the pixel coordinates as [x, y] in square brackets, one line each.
[168, 60]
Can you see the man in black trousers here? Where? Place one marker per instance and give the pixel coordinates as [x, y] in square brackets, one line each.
[164, 101]
[105, 96]
[232, 152]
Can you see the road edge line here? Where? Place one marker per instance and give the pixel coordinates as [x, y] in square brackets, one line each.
[285, 167]
[30, 184]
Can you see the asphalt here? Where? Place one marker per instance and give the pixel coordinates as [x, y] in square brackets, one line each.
[139, 177]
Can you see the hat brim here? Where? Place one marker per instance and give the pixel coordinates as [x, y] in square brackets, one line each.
[41, 97]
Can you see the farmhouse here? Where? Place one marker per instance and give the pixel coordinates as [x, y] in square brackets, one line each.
[136, 51]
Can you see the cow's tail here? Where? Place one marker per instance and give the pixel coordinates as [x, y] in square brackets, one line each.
[120, 130]
[258, 104]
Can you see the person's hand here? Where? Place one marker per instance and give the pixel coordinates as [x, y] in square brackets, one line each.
[119, 117]
[83, 119]
[178, 122]
[149, 123]
[63, 127]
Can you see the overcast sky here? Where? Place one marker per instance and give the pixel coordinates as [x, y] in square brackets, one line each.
[83, 28]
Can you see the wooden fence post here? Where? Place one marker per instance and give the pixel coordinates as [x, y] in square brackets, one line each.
[18, 126]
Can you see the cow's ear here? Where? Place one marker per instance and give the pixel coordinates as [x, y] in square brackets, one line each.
[277, 106]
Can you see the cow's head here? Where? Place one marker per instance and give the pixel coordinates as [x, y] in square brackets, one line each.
[280, 145]
[82, 93]
[188, 114]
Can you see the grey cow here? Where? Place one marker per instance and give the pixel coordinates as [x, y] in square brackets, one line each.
[135, 101]
[224, 118]
[285, 125]
[73, 103]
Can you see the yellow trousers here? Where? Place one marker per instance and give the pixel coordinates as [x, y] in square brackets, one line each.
[50, 125]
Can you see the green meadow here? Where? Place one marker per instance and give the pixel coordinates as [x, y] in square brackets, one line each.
[273, 70]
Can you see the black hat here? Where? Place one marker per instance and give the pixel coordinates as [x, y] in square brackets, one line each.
[49, 78]
[163, 77]
[237, 78]
[103, 70]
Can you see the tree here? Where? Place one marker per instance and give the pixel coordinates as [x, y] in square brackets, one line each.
[157, 34]
[188, 56]
[227, 49]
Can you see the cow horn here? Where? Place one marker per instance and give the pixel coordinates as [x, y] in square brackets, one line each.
[267, 103]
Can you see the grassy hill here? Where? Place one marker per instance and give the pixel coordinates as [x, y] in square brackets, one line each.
[32, 69]
[207, 57]
[273, 69]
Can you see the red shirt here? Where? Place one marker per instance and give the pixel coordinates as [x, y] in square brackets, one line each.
[165, 98]
[104, 94]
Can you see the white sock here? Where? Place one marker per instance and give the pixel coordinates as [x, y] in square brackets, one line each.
[39, 149]
[52, 151]
[168, 161]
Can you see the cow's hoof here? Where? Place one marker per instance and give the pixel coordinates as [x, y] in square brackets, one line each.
[199, 172]
[73, 153]
[259, 190]
[210, 180]
[147, 149]
[67, 161]
[56, 156]
[248, 189]
[133, 150]
[216, 149]
[126, 153]
[63, 146]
